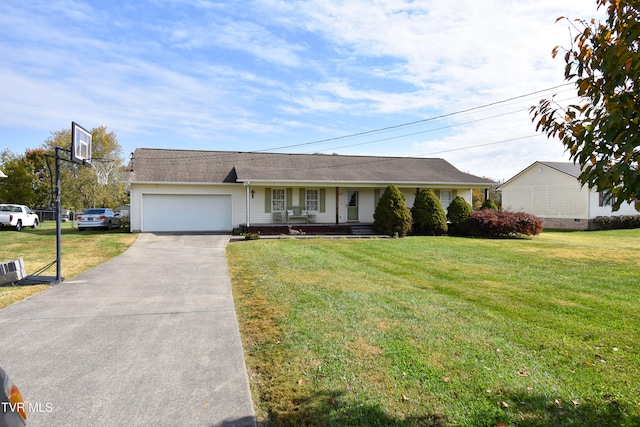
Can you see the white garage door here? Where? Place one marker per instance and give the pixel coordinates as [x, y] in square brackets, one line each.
[186, 212]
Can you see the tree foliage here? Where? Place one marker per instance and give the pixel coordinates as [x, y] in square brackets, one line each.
[28, 179]
[392, 216]
[429, 218]
[80, 185]
[602, 133]
[31, 177]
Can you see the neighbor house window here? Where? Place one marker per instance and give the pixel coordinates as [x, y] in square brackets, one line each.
[605, 199]
[277, 200]
[312, 200]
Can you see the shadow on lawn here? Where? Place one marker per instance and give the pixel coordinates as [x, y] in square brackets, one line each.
[327, 409]
[523, 409]
[532, 410]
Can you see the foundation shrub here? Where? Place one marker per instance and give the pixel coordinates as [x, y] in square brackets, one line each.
[489, 204]
[617, 222]
[392, 216]
[429, 217]
[458, 213]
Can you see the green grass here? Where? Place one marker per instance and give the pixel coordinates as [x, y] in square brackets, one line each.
[81, 251]
[442, 331]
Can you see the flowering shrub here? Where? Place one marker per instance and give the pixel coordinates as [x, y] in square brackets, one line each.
[493, 223]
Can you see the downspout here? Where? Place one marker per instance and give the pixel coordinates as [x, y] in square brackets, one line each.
[588, 209]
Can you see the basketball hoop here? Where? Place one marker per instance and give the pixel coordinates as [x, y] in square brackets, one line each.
[104, 169]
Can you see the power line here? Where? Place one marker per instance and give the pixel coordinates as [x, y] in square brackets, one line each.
[394, 127]
[430, 119]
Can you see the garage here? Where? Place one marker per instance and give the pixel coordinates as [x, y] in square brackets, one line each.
[186, 212]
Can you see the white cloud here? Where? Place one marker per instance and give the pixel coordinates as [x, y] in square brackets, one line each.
[274, 72]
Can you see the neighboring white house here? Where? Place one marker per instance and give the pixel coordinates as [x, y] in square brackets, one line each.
[184, 190]
[551, 191]
[2, 175]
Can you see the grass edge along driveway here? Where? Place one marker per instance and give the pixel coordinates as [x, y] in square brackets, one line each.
[81, 251]
[442, 331]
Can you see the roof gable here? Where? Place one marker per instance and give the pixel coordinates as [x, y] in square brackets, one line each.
[186, 166]
[567, 168]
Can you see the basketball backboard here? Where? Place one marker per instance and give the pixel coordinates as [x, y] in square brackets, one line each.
[80, 144]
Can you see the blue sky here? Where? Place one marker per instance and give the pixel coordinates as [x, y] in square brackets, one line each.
[290, 76]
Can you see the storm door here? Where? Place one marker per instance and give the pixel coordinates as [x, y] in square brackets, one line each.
[352, 206]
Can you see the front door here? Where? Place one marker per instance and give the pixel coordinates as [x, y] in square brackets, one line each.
[352, 206]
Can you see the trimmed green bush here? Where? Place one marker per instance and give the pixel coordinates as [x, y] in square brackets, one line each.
[392, 217]
[457, 213]
[429, 218]
[489, 204]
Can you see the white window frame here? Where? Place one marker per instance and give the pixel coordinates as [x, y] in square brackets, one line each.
[444, 199]
[309, 200]
[278, 200]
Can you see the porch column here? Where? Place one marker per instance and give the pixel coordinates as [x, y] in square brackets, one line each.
[248, 207]
[337, 205]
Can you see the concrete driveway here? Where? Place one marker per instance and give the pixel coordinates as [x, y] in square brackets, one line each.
[149, 338]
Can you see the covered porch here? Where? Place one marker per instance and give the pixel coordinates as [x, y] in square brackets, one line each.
[274, 229]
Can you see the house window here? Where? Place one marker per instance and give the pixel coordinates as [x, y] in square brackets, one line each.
[445, 198]
[277, 200]
[312, 200]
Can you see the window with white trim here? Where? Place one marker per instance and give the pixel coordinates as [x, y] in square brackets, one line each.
[277, 200]
[445, 198]
[312, 201]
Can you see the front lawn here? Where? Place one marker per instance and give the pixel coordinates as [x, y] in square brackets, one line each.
[442, 331]
[81, 251]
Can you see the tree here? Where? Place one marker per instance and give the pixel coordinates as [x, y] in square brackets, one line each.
[80, 187]
[27, 180]
[392, 216]
[428, 214]
[602, 133]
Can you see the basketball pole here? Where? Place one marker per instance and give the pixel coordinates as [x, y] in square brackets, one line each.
[59, 277]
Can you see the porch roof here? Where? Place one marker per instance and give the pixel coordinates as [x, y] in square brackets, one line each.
[188, 166]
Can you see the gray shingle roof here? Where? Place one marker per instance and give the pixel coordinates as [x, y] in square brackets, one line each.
[565, 167]
[187, 166]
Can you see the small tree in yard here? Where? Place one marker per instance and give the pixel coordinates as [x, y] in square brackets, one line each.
[392, 215]
[429, 217]
[458, 213]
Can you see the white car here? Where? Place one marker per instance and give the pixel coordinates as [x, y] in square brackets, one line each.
[98, 218]
[18, 216]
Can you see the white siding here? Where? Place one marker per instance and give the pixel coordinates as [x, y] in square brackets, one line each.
[546, 192]
[596, 210]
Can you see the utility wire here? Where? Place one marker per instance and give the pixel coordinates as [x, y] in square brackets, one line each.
[430, 119]
[390, 128]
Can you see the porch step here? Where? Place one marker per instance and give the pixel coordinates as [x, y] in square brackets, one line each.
[363, 229]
